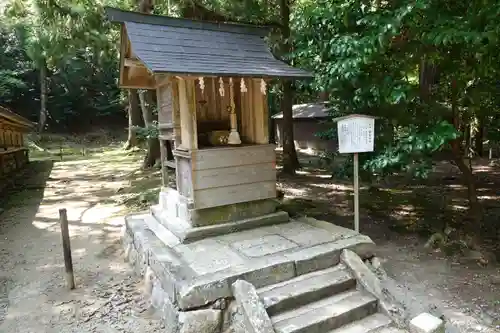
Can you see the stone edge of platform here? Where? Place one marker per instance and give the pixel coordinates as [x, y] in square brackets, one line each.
[369, 281]
[187, 290]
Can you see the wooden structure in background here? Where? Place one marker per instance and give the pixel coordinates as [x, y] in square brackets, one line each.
[210, 80]
[13, 153]
[309, 120]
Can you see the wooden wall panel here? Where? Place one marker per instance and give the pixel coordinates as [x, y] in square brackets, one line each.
[187, 106]
[232, 156]
[231, 176]
[214, 197]
[164, 94]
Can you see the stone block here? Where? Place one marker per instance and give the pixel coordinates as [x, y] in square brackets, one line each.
[206, 321]
[262, 246]
[362, 273]
[126, 252]
[233, 212]
[232, 319]
[327, 255]
[204, 290]
[426, 323]
[134, 223]
[168, 268]
[165, 278]
[256, 319]
[337, 232]
[141, 263]
[148, 281]
[371, 283]
[158, 295]
[162, 200]
[267, 273]
[194, 234]
[210, 287]
[170, 316]
[127, 238]
[132, 255]
[221, 256]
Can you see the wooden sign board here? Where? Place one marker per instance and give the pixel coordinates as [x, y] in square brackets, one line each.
[356, 133]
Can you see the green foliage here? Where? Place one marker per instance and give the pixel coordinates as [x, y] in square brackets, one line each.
[367, 55]
[370, 57]
[148, 132]
[77, 44]
[412, 150]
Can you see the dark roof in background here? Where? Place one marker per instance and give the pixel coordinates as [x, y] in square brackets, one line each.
[170, 45]
[308, 111]
[14, 117]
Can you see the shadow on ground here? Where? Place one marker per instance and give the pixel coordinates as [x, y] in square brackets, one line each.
[34, 297]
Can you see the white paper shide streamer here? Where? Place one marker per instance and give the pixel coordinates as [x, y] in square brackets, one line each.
[221, 87]
[263, 88]
[243, 87]
[201, 82]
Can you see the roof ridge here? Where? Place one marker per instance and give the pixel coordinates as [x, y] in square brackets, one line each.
[8, 114]
[122, 16]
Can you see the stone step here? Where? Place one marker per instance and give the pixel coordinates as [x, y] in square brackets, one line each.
[306, 289]
[390, 330]
[370, 324]
[168, 238]
[327, 314]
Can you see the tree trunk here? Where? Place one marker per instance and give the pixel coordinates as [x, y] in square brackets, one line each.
[146, 97]
[153, 152]
[479, 137]
[134, 118]
[324, 96]
[467, 173]
[467, 139]
[43, 97]
[290, 160]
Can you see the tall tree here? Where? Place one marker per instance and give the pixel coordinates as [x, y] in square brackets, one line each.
[147, 106]
[424, 67]
[290, 160]
[134, 119]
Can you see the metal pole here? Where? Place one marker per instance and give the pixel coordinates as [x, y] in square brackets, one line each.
[68, 262]
[356, 192]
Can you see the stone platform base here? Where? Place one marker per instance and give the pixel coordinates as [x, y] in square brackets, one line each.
[193, 285]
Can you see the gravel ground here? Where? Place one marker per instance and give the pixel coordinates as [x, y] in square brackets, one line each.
[33, 296]
[34, 299]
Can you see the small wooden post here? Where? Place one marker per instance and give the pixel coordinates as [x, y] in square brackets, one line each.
[68, 262]
[356, 192]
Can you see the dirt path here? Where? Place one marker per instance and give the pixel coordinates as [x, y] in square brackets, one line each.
[33, 297]
[466, 293]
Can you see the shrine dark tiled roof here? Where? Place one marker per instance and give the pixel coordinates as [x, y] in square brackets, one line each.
[180, 46]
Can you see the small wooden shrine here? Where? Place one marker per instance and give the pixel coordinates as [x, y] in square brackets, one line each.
[216, 254]
[211, 83]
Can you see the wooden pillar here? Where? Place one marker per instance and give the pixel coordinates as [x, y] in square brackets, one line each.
[187, 107]
[164, 93]
[260, 114]
[234, 135]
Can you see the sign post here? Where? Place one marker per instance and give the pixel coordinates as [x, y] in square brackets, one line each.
[356, 135]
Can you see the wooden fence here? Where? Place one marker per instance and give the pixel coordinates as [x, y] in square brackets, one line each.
[13, 152]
